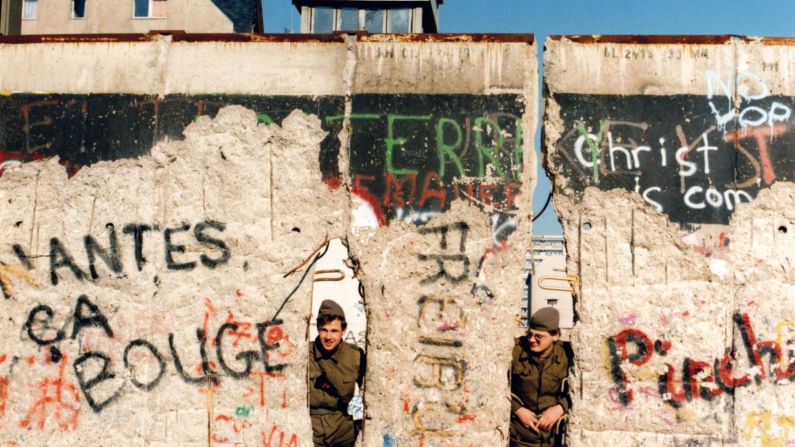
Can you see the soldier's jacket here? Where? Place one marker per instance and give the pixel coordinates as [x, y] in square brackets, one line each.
[333, 378]
[535, 383]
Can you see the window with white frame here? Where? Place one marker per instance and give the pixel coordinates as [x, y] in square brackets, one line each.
[149, 8]
[30, 9]
[399, 20]
[323, 19]
[348, 19]
[374, 20]
[141, 8]
[326, 19]
[78, 9]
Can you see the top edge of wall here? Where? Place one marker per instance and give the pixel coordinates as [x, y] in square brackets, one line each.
[269, 64]
[699, 39]
[664, 65]
[441, 38]
[180, 36]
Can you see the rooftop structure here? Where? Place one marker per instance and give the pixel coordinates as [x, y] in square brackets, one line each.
[373, 16]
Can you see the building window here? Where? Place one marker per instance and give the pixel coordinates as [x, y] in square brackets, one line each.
[322, 19]
[78, 9]
[325, 19]
[141, 8]
[30, 9]
[374, 20]
[149, 8]
[399, 20]
[348, 19]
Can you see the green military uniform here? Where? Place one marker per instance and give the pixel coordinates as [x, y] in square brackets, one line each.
[536, 384]
[332, 381]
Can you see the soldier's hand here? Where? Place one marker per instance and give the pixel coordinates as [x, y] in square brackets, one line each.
[527, 418]
[550, 416]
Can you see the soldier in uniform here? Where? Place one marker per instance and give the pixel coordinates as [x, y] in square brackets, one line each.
[335, 368]
[539, 368]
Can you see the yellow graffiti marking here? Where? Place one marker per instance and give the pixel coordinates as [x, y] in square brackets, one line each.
[10, 271]
[780, 331]
[605, 351]
[774, 430]
[431, 419]
[437, 366]
[645, 374]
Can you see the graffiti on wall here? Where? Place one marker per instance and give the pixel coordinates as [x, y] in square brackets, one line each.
[411, 155]
[84, 129]
[437, 402]
[769, 429]
[691, 157]
[79, 360]
[419, 153]
[764, 360]
[46, 330]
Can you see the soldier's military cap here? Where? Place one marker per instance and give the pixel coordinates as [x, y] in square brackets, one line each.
[545, 319]
[331, 308]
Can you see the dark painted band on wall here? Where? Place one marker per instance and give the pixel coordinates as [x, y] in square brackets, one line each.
[411, 155]
[694, 158]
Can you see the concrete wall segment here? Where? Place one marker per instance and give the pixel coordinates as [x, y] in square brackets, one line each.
[80, 68]
[232, 177]
[658, 69]
[158, 300]
[277, 68]
[772, 63]
[170, 67]
[691, 312]
[444, 68]
[444, 314]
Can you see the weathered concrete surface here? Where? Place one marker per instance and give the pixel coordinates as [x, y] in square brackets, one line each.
[449, 296]
[218, 242]
[193, 187]
[673, 182]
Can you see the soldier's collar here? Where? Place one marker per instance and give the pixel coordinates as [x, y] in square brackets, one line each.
[321, 353]
[527, 354]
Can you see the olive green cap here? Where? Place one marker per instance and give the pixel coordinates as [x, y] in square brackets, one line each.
[545, 319]
[329, 307]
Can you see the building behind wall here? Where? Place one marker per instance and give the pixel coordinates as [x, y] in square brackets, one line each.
[547, 283]
[396, 16]
[136, 16]
[10, 17]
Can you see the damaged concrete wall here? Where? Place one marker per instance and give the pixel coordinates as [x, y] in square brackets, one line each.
[448, 291]
[673, 181]
[156, 199]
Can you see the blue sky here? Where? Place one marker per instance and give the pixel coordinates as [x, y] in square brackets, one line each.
[545, 17]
